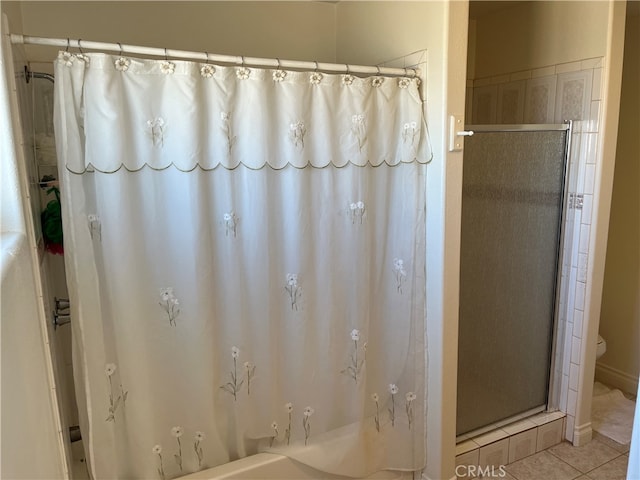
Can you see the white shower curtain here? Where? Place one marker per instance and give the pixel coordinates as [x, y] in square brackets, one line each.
[246, 264]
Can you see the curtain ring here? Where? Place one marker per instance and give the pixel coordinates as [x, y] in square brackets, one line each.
[120, 46]
[68, 43]
[316, 66]
[378, 67]
[348, 71]
[80, 46]
[166, 58]
[207, 54]
[278, 60]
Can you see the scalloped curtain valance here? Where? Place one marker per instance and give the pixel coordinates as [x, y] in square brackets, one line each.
[218, 314]
[244, 116]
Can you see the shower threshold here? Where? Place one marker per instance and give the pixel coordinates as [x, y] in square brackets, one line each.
[514, 441]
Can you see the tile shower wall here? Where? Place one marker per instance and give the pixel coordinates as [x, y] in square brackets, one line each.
[41, 119]
[543, 95]
[568, 91]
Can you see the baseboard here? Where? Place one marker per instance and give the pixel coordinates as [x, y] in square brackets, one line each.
[616, 378]
[582, 434]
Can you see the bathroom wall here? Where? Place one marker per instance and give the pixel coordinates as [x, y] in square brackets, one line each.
[543, 62]
[29, 437]
[538, 34]
[14, 15]
[32, 446]
[292, 30]
[620, 314]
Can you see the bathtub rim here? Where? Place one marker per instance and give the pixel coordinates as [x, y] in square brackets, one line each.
[247, 465]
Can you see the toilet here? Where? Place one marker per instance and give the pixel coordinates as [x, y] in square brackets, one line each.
[602, 347]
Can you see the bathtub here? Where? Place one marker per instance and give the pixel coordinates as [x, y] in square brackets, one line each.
[270, 466]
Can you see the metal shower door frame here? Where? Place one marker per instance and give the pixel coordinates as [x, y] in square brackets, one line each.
[557, 337]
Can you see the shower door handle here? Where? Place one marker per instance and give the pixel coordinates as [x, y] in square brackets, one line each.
[456, 131]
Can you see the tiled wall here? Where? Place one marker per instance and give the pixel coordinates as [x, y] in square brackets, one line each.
[584, 156]
[36, 110]
[543, 95]
[570, 91]
[40, 92]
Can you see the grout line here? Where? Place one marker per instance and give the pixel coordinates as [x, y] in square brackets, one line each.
[589, 471]
[615, 458]
[579, 472]
[562, 460]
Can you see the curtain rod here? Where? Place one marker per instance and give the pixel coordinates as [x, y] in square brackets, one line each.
[205, 57]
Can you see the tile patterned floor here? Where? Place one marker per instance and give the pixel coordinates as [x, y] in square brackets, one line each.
[600, 459]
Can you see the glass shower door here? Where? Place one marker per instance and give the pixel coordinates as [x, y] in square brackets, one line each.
[512, 200]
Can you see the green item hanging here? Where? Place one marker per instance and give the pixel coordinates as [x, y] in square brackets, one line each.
[51, 220]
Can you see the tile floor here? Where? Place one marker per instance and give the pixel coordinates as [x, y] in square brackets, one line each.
[600, 459]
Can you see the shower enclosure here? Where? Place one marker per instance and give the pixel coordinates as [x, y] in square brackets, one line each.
[512, 211]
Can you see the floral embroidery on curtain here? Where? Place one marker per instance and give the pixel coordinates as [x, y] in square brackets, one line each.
[286, 211]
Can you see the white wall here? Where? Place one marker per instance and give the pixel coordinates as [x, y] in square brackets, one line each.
[29, 420]
[538, 34]
[620, 314]
[291, 30]
[30, 448]
[14, 15]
